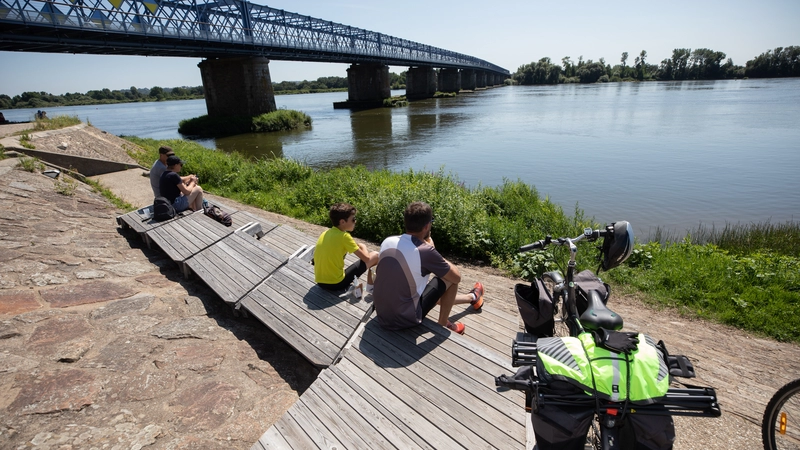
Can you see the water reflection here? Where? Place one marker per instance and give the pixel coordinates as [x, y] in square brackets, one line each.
[259, 145]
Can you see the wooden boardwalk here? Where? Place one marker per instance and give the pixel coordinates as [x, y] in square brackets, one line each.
[418, 388]
[312, 320]
[423, 387]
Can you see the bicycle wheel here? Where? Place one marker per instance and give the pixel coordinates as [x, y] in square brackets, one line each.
[780, 428]
[560, 328]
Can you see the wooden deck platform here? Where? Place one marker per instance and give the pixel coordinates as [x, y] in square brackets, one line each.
[313, 321]
[418, 388]
[141, 220]
[235, 265]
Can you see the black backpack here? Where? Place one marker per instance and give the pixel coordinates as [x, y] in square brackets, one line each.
[217, 214]
[162, 209]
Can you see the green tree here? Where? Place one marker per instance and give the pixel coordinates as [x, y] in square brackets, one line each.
[642, 64]
[157, 92]
[568, 68]
[623, 60]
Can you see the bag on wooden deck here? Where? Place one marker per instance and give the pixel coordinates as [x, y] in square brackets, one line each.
[162, 209]
[217, 214]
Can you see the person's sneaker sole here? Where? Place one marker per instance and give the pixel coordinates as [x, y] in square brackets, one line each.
[478, 304]
[456, 327]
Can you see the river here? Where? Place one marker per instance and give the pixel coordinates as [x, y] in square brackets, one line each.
[673, 155]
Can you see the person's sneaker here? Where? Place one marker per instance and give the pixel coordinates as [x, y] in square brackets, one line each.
[456, 327]
[477, 290]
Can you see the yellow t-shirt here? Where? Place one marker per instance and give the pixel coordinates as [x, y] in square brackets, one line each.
[332, 246]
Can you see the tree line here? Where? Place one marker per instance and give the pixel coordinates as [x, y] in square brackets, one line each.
[156, 93]
[684, 64]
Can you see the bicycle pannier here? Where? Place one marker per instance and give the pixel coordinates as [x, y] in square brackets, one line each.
[535, 307]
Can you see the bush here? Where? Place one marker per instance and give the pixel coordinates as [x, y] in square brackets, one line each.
[282, 119]
[30, 164]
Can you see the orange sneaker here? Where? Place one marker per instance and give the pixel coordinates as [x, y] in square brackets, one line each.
[477, 290]
[457, 327]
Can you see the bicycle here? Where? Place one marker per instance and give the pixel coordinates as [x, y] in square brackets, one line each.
[593, 416]
[779, 428]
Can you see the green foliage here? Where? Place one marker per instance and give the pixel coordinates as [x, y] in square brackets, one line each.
[759, 292]
[30, 164]
[99, 97]
[116, 201]
[65, 185]
[25, 141]
[282, 119]
[781, 62]
[56, 123]
[439, 94]
[395, 102]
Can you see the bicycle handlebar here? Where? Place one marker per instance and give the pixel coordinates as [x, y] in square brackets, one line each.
[588, 234]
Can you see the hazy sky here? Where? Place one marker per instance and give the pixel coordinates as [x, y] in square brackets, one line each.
[507, 33]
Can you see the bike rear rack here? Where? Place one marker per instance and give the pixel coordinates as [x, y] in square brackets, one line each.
[689, 401]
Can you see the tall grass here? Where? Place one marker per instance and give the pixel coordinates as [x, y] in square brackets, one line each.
[781, 238]
[484, 223]
[753, 285]
[56, 123]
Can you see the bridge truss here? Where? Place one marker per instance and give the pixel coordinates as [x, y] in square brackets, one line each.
[189, 28]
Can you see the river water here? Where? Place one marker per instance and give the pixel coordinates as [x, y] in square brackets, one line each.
[673, 155]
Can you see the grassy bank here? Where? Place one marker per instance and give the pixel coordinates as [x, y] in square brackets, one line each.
[746, 277]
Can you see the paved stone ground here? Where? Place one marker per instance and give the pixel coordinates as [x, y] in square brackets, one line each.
[103, 345]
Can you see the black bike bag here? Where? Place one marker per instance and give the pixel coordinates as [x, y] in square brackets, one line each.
[536, 308]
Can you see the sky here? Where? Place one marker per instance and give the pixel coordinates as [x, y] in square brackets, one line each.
[510, 33]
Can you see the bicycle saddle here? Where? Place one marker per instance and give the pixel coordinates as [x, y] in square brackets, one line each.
[597, 315]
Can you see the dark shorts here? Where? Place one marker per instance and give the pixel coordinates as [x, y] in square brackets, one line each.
[431, 295]
[351, 273]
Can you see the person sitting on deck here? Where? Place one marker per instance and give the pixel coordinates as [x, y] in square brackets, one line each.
[182, 194]
[402, 294]
[159, 167]
[334, 244]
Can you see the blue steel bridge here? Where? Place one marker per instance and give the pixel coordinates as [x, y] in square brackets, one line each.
[229, 30]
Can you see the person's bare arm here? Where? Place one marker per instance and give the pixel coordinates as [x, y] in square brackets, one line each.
[186, 189]
[453, 276]
[370, 258]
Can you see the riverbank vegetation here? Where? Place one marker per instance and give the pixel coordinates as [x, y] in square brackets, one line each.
[280, 120]
[683, 64]
[746, 276]
[157, 93]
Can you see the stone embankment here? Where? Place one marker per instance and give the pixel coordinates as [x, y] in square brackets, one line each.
[104, 345]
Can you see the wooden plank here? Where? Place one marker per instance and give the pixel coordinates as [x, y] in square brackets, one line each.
[271, 440]
[447, 396]
[377, 393]
[304, 273]
[217, 280]
[380, 424]
[291, 431]
[314, 297]
[497, 420]
[450, 351]
[336, 415]
[316, 431]
[491, 336]
[319, 347]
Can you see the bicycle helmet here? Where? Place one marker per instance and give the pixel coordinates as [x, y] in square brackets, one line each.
[617, 245]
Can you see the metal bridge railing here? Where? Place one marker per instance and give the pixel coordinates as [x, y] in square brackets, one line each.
[272, 32]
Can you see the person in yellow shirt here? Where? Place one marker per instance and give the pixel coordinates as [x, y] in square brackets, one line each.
[334, 244]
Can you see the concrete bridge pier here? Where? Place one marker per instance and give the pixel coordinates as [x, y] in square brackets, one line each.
[449, 80]
[468, 79]
[480, 79]
[368, 85]
[420, 82]
[237, 86]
